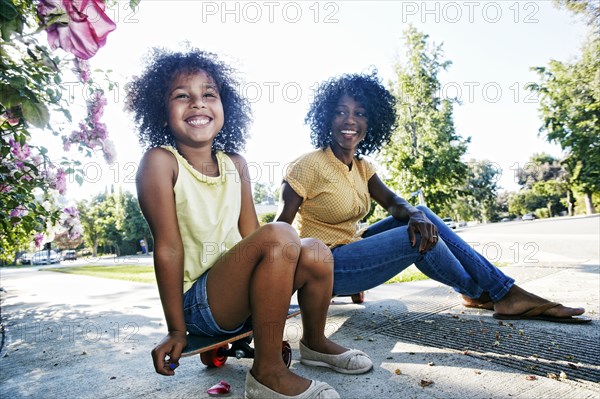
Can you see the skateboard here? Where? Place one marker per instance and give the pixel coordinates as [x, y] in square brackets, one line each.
[358, 298]
[214, 351]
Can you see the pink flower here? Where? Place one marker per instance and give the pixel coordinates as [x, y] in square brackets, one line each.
[92, 133]
[66, 144]
[75, 232]
[70, 221]
[83, 69]
[110, 153]
[71, 212]
[61, 181]
[96, 106]
[19, 212]
[38, 239]
[11, 118]
[21, 152]
[81, 26]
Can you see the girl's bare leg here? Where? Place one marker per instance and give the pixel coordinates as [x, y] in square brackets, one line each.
[256, 277]
[314, 282]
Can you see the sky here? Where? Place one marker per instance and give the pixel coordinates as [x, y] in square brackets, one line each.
[284, 49]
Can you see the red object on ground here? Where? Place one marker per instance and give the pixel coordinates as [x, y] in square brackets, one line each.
[221, 389]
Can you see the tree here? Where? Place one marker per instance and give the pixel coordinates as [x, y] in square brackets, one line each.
[265, 192]
[524, 201]
[590, 9]
[541, 169]
[501, 205]
[545, 199]
[552, 193]
[425, 151]
[114, 220]
[261, 192]
[569, 95]
[109, 215]
[133, 225]
[478, 197]
[88, 216]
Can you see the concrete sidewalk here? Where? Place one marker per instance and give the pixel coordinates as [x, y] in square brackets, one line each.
[68, 336]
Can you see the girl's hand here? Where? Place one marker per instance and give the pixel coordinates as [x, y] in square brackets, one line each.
[167, 353]
[419, 223]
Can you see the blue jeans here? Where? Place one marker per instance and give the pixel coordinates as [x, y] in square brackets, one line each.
[385, 251]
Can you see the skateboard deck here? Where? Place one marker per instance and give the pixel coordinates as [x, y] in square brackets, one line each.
[215, 350]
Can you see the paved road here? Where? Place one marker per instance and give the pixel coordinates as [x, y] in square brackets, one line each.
[558, 240]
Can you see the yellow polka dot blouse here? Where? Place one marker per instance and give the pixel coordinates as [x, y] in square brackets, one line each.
[335, 197]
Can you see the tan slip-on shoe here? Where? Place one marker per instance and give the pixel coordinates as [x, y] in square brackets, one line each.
[350, 362]
[316, 390]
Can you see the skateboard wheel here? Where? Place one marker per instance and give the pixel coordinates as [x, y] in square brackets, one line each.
[286, 353]
[358, 298]
[212, 358]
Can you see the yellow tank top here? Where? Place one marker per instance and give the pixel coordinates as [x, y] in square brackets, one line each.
[208, 209]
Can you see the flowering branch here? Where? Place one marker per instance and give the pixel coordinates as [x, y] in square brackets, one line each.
[31, 184]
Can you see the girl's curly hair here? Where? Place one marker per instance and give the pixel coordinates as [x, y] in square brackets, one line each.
[146, 97]
[365, 89]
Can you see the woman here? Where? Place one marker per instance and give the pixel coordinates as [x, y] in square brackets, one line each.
[329, 191]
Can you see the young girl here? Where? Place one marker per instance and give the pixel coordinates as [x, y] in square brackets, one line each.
[330, 191]
[214, 266]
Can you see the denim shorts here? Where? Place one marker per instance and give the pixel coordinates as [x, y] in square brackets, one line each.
[198, 317]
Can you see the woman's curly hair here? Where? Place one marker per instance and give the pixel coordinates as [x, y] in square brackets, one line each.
[365, 89]
[146, 97]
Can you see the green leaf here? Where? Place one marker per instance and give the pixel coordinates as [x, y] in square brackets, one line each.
[8, 10]
[133, 4]
[35, 113]
[9, 96]
[17, 82]
[67, 114]
[14, 25]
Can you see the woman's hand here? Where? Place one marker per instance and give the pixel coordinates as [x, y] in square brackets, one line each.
[166, 354]
[419, 223]
[402, 210]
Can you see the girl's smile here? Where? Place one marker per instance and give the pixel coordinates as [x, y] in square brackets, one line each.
[195, 111]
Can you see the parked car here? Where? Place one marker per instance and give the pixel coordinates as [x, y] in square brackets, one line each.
[45, 257]
[69, 255]
[450, 223]
[528, 216]
[25, 259]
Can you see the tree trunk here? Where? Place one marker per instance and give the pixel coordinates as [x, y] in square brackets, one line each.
[589, 205]
[569, 203]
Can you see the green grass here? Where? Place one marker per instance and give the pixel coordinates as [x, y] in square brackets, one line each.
[411, 273]
[140, 274]
[145, 274]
